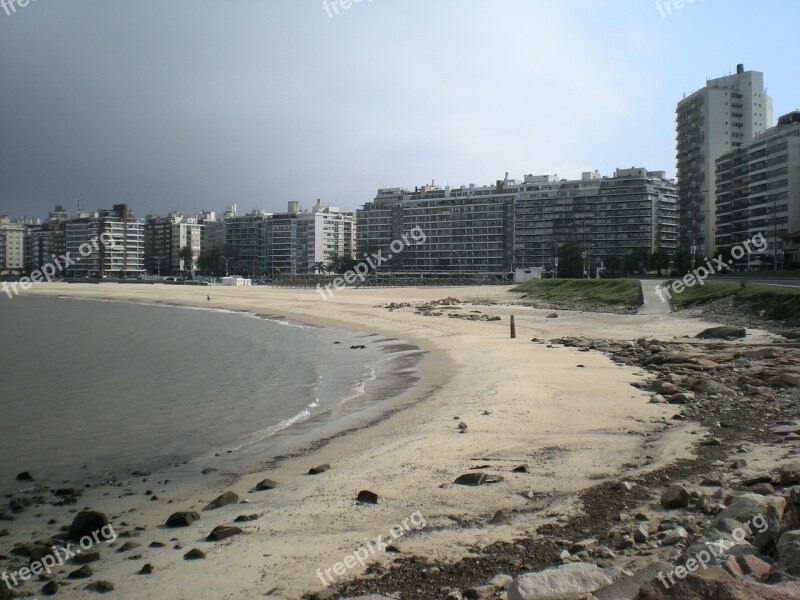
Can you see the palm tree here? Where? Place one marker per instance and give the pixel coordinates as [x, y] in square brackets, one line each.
[187, 256]
[320, 268]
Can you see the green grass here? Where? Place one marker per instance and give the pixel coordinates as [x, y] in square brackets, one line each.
[605, 292]
[795, 274]
[777, 302]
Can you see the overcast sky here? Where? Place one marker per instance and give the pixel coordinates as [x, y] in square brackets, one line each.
[195, 104]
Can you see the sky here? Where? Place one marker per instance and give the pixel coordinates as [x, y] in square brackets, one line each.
[192, 105]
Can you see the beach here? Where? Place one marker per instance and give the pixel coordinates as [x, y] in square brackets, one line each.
[572, 418]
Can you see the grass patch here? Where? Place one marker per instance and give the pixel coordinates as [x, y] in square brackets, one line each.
[777, 302]
[587, 292]
[795, 274]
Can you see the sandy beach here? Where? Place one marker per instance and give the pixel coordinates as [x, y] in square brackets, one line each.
[572, 417]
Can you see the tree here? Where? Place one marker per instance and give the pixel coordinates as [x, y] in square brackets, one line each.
[613, 265]
[570, 261]
[683, 261]
[320, 268]
[636, 261]
[187, 256]
[659, 260]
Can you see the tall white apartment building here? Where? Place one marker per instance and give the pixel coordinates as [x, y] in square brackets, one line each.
[12, 245]
[299, 241]
[727, 113]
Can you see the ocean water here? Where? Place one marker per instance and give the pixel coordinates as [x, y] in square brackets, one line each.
[91, 389]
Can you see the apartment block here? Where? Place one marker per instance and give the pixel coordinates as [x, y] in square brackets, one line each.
[43, 242]
[172, 243]
[607, 216]
[758, 191]
[212, 232]
[467, 229]
[12, 246]
[521, 223]
[724, 115]
[125, 258]
[246, 240]
[299, 241]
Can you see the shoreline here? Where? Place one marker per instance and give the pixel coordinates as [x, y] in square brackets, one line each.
[315, 521]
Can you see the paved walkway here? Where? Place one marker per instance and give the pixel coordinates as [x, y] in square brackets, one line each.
[653, 305]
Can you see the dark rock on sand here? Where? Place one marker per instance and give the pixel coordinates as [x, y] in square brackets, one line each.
[222, 500]
[128, 546]
[86, 523]
[182, 519]
[477, 479]
[245, 518]
[100, 587]
[722, 333]
[675, 496]
[25, 476]
[223, 532]
[194, 554]
[86, 558]
[319, 469]
[146, 570]
[83, 573]
[367, 497]
[266, 484]
[50, 588]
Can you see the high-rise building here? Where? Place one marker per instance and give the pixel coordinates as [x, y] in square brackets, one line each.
[172, 243]
[246, 240]
[303, 241]
[758, 191]
[212, 232]
[607, 216]
[512, 224]
[12, 246]
[123, 258]
[724, 115]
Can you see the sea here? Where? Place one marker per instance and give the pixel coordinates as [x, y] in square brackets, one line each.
[91, 390]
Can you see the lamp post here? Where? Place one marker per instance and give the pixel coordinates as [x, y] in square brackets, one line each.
[159, 259]
[227, 259]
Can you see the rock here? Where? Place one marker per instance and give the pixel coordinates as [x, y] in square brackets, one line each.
[128, 546]
[209, 470]
[682, 398]
[675, 536]
[83, 573]
[100, 587]
[319, 469]
[789, 379]
[86, 523]
[739, 566]
[245, 518]
[222, 532]
[25, 476]
[501, 582]
[624, 486]
[477, 479]
[223, 500]
[480, 591]
[146, 569]
[520, 469]
[709, 386]
[722, 333]
[786, 429]
[50, 588]
[552, 316]
[583, 545]
[182, 519]
[194, 554]
[266, 484]
[367, 497]
[500, 518]
[565, 582]
[86, 558]
[747, 507]
[787, 552]
[694, 587]
[764, 489]
[640, 534]
[675, 496]
[790, 474]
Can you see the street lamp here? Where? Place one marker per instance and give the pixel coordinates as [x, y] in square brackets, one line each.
[159, 259]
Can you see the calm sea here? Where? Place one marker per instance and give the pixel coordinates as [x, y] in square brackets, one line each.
[90, 389]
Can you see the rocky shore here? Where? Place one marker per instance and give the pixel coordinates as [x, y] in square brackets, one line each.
[629, 531]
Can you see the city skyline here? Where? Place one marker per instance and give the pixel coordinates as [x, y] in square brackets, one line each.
[206, 106]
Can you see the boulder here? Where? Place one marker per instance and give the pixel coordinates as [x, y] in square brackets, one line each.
[100, 587]
[86, 523]
[266, 484]
[367, 497]
[25, 476]
[319, 469]
[194, 554]
[750, 507]
[223, 500]
[722, 333]
[222, 532]
[477, 479]
[695, 587]
[565, 582]
[182, 519]
[675, 496]
[787, 552]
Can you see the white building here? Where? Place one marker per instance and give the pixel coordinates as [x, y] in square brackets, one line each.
[168, 243]
[12, 245]
[125, 258]
[727, 113]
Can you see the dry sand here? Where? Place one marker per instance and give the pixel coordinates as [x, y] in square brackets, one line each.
[573, 426]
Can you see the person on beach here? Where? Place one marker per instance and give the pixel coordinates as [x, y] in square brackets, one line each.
[208, 298]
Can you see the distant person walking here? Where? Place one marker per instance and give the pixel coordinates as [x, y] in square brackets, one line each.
[208, 298]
